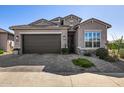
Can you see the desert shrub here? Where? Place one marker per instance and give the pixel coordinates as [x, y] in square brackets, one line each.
[65, 50]
[111, 59]
[87, 54]
[102, 53]
[82, 62]
[121, 52]
[1, 51]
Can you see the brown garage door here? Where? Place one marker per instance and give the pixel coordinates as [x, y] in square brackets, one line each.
[41, 43]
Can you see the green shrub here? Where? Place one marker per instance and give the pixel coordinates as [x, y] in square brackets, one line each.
[65, 50]
[121, 52]
[87, 54]
[82, 62]
[112, 46]
[1, 51]
[102, 53]
[111, 59]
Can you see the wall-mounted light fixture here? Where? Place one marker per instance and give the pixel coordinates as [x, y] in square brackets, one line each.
[64, 37]
[17, 38]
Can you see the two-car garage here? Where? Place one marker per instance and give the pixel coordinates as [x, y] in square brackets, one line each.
[41, 43]
[40, 39]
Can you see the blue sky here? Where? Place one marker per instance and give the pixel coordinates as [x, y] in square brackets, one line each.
[18, 15]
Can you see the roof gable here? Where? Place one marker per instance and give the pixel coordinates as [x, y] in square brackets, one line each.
[74, 16]
[98, 21]
[56, 19]
[42, 22]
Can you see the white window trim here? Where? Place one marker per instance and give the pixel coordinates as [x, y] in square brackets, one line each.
[95, 30]
[86, 48]
[92, 30]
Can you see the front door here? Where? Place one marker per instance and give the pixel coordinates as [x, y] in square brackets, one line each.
[71, 42]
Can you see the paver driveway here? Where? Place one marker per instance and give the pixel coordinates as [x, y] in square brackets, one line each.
[52, 63]
[56, 70]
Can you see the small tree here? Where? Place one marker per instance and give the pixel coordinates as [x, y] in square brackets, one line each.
[119, 43]
[116, 45]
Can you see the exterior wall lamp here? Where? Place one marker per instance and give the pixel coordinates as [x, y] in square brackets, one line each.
[17, 38]
[64, 37]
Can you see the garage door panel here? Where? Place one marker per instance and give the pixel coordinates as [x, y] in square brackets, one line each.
[42, 43]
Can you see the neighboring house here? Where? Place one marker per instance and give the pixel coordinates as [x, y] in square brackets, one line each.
[6, 40]
[50, 36]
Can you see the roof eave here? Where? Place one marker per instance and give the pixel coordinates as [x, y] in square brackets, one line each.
[37, 28]
[109, 26]
[5, 31]
[94, 19]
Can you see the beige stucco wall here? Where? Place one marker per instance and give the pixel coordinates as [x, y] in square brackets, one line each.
[18, 44]
[91, 26]
[3, 41]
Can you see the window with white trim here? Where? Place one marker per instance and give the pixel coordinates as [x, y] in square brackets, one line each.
[92, 39]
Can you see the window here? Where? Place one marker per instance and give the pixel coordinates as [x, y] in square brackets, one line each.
[92, 39]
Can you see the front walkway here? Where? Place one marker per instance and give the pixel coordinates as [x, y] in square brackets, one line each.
[52, 80]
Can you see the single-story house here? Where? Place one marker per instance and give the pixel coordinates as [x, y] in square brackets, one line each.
[50, 36]
[6, 40]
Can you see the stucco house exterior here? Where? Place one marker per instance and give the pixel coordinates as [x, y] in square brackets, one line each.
[6, 40]
[50, 36]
